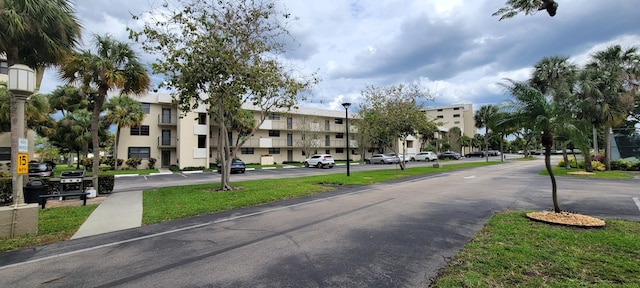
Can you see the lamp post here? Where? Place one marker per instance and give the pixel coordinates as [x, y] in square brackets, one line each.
[21, 85]
[346, 116]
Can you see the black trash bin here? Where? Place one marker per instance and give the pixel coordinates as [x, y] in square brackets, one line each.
[34, 189]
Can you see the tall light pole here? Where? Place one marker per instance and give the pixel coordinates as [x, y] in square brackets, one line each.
[21, 85]
[346, 116]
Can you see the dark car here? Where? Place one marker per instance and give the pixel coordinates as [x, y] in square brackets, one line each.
[237, 166]
[40, 170]
[475, 154]
[449, 155]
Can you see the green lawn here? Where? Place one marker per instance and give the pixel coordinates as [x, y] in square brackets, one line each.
[513, 251]
[561, 171]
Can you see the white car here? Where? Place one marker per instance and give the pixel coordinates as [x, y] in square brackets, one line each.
[320, 161]
[426, 156]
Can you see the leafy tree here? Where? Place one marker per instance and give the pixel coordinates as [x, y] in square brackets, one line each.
[454, 138]
[113, 66]
[73, 133]
[482, 119]
[391, 113]
[513, 7]
[123, 111]
[227, 51]
[309, 133]
[426, 130]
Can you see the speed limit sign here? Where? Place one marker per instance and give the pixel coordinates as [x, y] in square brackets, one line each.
[23, 164]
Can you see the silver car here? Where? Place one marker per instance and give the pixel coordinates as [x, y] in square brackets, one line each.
[382, 159]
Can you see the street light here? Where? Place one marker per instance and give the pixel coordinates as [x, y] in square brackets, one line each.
[346, 116]
[21, 84]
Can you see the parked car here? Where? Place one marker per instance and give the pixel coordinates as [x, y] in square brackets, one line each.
[237, 166]
[399, 156]
[425, 156]
[320, 161]
[40, 170]
[494, 153]
[475, 154]
[449, 155]
[382, 159]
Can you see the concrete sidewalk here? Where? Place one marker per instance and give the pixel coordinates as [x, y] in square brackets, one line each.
[119, 211]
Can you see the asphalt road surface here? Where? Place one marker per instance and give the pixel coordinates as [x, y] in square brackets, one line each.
[394, 234]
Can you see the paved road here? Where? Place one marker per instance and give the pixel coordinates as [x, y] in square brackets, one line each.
[395, 234]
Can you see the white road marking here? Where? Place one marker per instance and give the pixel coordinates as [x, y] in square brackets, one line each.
[637, 200]
[470, 177]
[177, 230]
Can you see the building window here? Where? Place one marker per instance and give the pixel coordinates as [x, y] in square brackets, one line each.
[139, 152]
[327, 151]
[409, 144]
[202, 118]
[327, 140]
[456, 108]
[289, 140]
[289, 123]
[339, 135]
[202, 141]
[338, 121]
[274, 133]
[339, 150]
[274, 150]
[146, 107]
[166, 115]
[4, 67]
[274, 116]
[140, 131]
[456, 115]
[247, 150]
[5, 153]
[439, 110]
[327, 125]
[440, 116]
[456, 122]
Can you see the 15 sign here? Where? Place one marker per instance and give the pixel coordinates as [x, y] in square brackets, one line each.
[23, 164]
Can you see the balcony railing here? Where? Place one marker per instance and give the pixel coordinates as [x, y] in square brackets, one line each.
[167, 119]
[167, 142]
[283, 143]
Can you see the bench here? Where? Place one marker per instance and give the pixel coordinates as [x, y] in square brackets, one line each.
[43, 198]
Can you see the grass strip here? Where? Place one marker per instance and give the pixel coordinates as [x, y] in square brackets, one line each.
[513, 251]
[561, 171]
[170, 203]
[54, 225]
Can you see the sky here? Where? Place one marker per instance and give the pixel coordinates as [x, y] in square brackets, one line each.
[454, 49]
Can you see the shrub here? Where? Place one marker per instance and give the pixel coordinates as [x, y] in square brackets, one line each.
[572, 163]
[174, 167]
[196, 168]
[152, 163]
[133, 162]
[105, 183]
[599, 158]
[621, 165]
[597, 166]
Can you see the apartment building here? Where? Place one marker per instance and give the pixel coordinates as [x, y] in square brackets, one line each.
[460, 116]
[191, 139]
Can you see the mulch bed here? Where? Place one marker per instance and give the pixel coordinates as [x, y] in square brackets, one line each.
[566, 218]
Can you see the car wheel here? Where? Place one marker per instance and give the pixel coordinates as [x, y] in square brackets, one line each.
[306, 164]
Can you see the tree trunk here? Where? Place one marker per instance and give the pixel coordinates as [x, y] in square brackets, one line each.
[596, 150]
[115, 149]
[607, 149]
[226, 163]
[547, 142]
[95, 140]
[486, 143]
[565, 157]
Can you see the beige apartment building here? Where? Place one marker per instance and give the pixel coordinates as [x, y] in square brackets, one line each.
[192, 140]
[460, 116]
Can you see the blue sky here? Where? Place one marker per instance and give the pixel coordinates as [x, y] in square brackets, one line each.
[453, 48]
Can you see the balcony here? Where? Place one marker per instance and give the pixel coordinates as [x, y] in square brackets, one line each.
[167, 142]
[167, 120]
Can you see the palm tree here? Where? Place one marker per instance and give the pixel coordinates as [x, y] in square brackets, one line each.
[513, 7]
[555, 76]
[114, 66]
[530, 107]
[482, 118]
[124, 112]
[616, 72]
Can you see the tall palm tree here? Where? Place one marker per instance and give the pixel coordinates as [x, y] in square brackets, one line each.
[529, 107]
[555, 76]
[617, 72]
[482, 119]
[113, 66]
[123, 111]
[37, 33]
